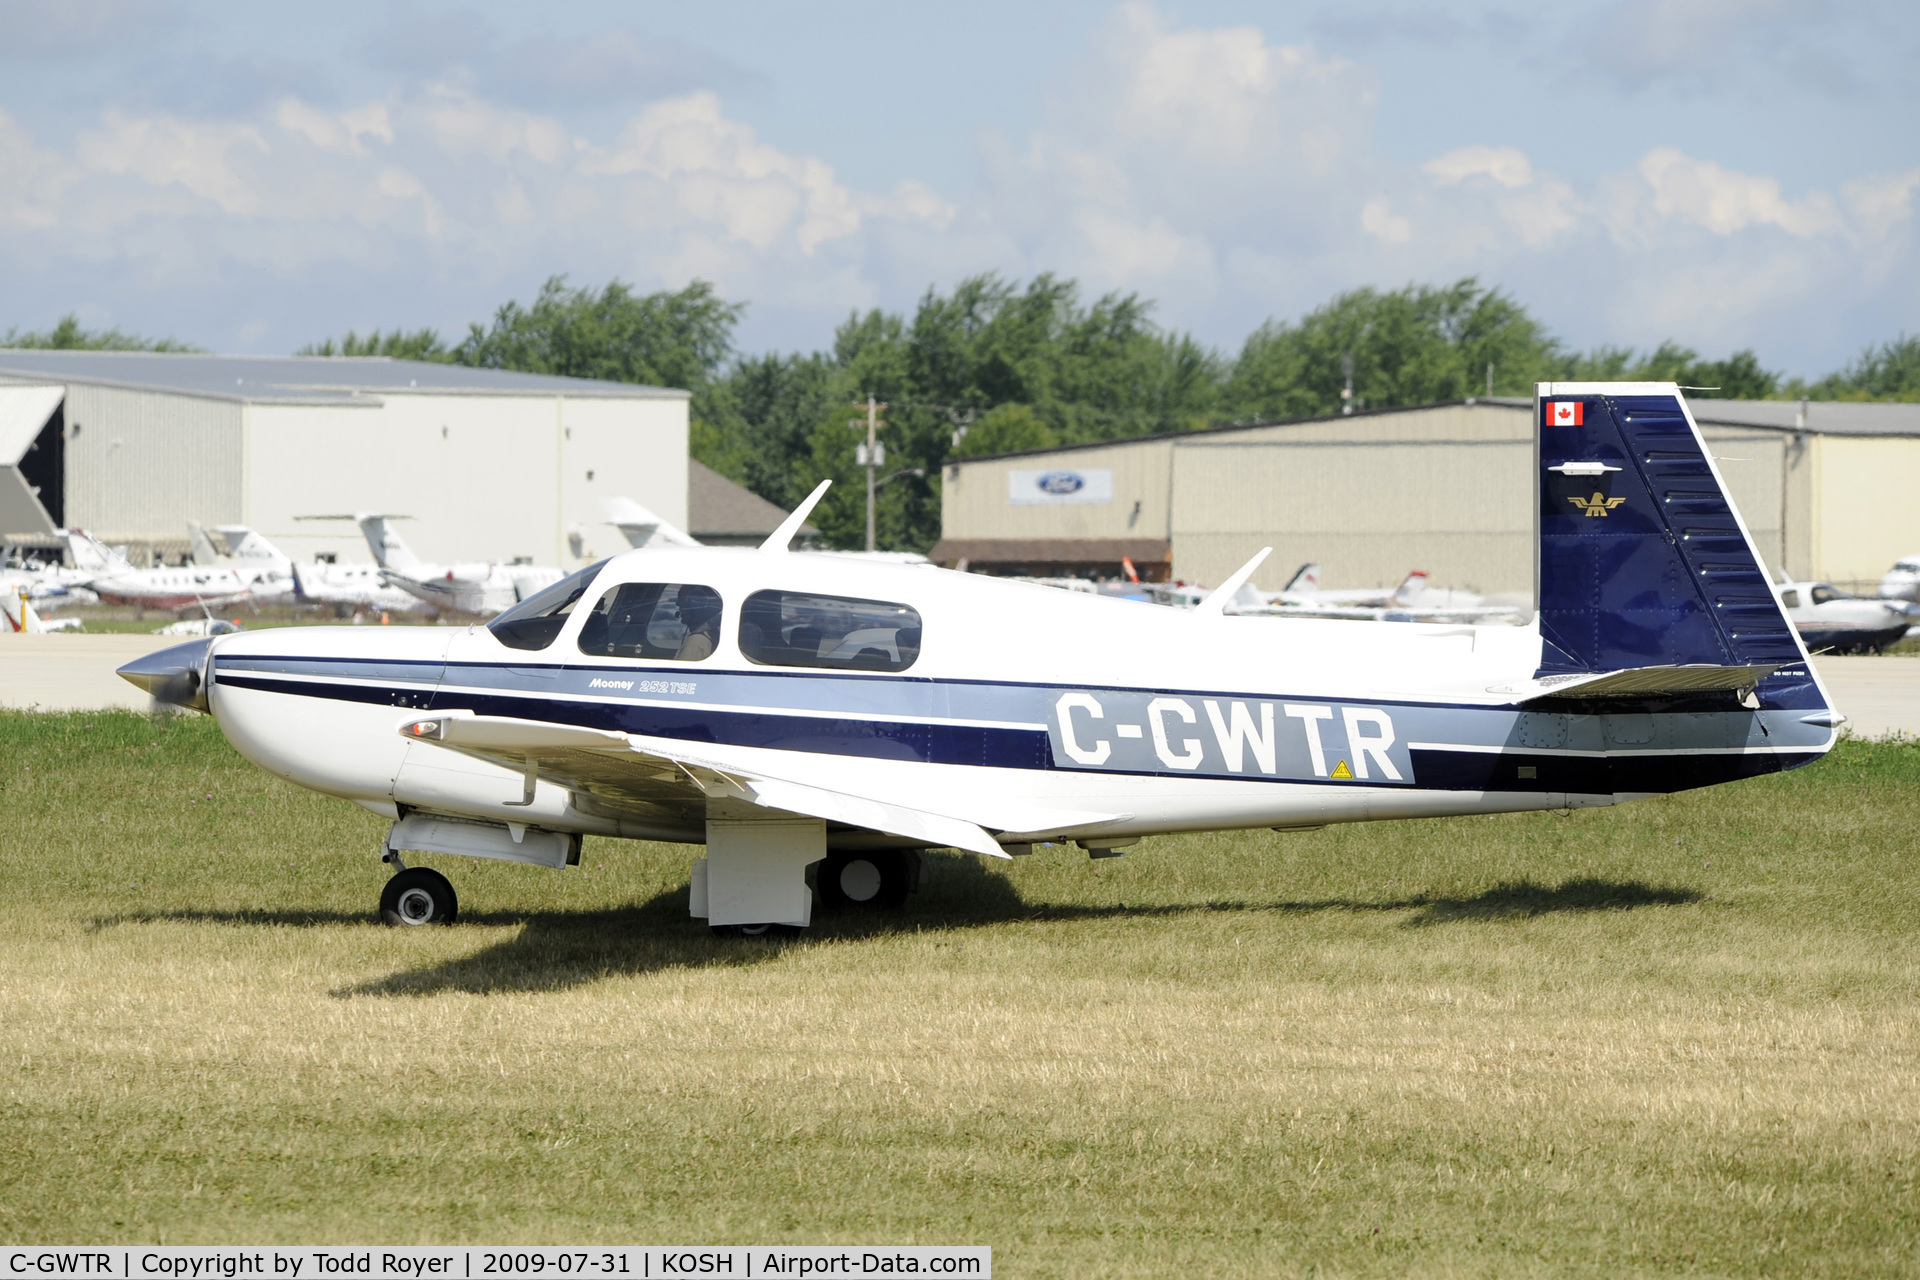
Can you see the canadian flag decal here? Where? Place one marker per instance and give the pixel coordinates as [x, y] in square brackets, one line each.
[1564, 413]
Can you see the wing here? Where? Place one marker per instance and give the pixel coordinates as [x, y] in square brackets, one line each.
[672, 783]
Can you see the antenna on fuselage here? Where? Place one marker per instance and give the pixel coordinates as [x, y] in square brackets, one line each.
[1216, 602]
[777, 541]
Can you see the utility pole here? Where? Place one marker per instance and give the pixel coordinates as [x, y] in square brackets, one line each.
[1346, 393]
[871, 454]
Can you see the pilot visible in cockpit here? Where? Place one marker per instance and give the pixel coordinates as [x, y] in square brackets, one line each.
[700, 613]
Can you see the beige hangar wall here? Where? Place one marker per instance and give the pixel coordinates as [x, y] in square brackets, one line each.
[485, 477]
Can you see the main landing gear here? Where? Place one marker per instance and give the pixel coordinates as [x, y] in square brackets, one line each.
[866, 879]
[417, 895]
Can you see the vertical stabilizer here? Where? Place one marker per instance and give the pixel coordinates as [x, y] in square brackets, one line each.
[641, 527]
[1643, 560]
[250, 548]
[389, 551]
[89, 554]
[205, 553]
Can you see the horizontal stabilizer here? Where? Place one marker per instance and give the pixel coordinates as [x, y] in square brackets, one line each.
[1638, 682]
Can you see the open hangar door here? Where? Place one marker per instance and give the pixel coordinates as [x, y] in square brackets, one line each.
[32, 459]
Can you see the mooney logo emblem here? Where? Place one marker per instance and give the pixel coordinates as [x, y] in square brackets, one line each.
[1597, 505]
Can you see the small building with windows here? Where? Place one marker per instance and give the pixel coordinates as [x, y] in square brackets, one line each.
[1825, 488]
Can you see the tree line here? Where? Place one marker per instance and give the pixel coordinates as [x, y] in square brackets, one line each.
[995, 366]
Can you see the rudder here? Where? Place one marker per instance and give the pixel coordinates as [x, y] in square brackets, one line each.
[1643, 560]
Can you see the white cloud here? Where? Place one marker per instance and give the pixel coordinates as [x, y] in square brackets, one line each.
[1378, 220]
[1725, 201]
[205, 159]
[1505, 165]
[1228, 176]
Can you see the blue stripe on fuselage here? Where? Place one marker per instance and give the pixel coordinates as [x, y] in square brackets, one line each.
[931, 726]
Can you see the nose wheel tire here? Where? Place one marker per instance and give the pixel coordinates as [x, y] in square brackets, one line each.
[416, 896]
[864, 880]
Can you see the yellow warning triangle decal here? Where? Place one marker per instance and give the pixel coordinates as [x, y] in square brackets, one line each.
[1341, 771]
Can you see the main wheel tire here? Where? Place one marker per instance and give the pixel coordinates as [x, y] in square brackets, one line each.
[416, 896]
[756, 931]
[864, 880]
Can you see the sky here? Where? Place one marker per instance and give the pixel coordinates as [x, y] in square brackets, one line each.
[251, 178]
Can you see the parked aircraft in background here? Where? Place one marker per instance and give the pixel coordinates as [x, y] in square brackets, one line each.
[267, 572]
[346, 587]
[47, 585]
[642, 528]
[353, 588]
[478, 588]
[118, 582]
[19, 617]
[791, 710]
[1413, 600]
[1830, 620]
[1902, 582]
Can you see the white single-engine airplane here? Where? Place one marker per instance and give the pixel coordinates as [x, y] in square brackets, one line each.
[789, 709]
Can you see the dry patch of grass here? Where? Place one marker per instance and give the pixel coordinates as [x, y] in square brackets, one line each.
[1674, 1037]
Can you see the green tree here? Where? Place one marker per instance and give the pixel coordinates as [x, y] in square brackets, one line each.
[421, 344]
[667, 339]
[1007, 428]
[67, 334]
[1890, 371]
[1417, 345]
[756, 424]
[1738, 377]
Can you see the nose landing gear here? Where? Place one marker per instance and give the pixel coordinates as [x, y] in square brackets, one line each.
[416, 896]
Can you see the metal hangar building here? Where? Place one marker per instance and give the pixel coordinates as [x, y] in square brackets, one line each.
[1826, 489]
[490, 464]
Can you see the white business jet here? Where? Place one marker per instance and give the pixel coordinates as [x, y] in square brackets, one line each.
[1413, 600]
[642, 528]
[480, 589]
[266, 570]
[787, 711]
[189, 587]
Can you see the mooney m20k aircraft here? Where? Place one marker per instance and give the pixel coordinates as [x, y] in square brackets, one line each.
[787, 710]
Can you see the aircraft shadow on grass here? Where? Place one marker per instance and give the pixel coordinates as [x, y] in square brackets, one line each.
[558, 950]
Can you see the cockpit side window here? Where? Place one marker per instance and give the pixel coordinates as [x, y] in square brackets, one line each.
[1822, 594]
[798, 629]
[675, 621]
[535, 621]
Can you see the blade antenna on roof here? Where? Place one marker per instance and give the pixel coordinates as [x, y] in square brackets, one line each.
[777, 541]
[1216, 601]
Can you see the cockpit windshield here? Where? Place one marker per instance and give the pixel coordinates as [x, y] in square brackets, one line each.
[535, 621]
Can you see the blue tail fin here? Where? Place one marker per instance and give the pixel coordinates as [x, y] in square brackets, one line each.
[1643, 560]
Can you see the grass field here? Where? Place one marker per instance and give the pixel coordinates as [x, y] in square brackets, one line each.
[1676, 1037]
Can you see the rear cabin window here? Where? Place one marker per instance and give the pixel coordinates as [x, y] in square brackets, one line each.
[535, 621]
[675, 621]
[1791, 599]
[797, 629]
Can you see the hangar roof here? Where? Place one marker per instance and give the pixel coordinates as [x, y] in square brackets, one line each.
[323, 379]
